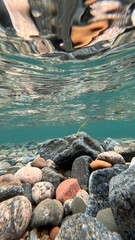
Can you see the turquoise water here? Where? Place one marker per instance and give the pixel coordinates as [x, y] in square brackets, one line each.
[66, 67]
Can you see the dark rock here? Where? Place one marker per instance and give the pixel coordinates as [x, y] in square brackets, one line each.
[9, 191]
[127, 150]
[51, 175]
[122, 201]
[15, 214]
[80, 226]
[67, 206]
[28, 191]
[64, 151]
[80, 170]
[109, 144]
[49, 212]
[105, 216]
[99, 188]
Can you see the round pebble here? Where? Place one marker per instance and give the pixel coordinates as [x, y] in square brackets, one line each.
[41, 191]
[28, 174]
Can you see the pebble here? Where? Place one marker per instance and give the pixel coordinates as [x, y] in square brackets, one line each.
[67, 207]
[67, 189]
[54, 232]
[41, 191]
[105, 216]
[52, 176]
[15, 214]
[49, 212]
[80, 170]
[39, 162]
[28, 174]
[111, 157]
[99, 164]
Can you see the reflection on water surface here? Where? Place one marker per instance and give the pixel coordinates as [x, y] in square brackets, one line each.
[63, 62]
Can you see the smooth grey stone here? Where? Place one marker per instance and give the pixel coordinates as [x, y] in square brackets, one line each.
[27, 159]
[49, 212]
[81, 170]
[80, 226]
[63, 151]
[78, 205]
[99, 188]
[122, 202]
[105, 216]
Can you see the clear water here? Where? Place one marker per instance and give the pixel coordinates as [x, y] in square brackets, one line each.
[45, 96]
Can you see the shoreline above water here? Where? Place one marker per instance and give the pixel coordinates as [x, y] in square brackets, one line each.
[76, 176]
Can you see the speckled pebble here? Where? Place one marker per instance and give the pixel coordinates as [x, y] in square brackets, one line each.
[111, 157]
[41, 191]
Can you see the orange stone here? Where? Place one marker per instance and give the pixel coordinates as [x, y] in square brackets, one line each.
[54, 232]
[99, 164]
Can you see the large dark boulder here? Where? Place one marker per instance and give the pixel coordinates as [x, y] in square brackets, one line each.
[63, 151]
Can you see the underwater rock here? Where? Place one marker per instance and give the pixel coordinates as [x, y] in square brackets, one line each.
[81, 226]
[122, 202]
[52, 176]
[80, 170]
[15, 214]
[99, 188]
[49, 212]
[41, 191]
[67, 189]
[63, 151]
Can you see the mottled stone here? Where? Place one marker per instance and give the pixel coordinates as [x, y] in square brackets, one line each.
[99, 164]
[50, 163]
[105, 216]
[41, 191]
[48, 212]
[127, 150]
[9, 191]
[109, 144]
[54, 232]
[67, 206]
[111, 157]
[80, 226]
[67, 189]
[99, 188]
[15, 215]
[63, 151]
[29, 174]
[52, 176]
[9, 179]
[122, 201]
[80, 170]
[33, 234]
[39, 162]
[28, 191]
